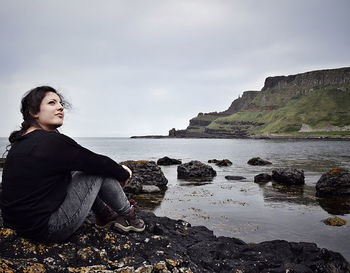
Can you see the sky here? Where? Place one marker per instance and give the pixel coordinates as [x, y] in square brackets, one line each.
[143, 67]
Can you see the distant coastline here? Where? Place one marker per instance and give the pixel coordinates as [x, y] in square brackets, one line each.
[252, 137]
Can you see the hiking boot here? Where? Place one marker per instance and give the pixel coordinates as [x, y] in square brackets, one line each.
[106, 218]
[130, 222]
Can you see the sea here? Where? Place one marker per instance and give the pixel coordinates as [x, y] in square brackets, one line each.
[243, 209]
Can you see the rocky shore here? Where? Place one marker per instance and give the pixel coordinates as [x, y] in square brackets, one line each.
[166, 245]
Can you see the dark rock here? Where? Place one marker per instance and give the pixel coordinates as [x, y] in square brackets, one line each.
[221, 163]
[144, 173]
[288, 176]
[166, 245]
[257, 161]
[234, 177]
[195, 171]
[213, 161]
[262, 178]
[336, 182]
[172, 132]
[2, 162]
[168, 161]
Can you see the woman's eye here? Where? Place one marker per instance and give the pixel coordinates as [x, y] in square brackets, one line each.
[51, 102]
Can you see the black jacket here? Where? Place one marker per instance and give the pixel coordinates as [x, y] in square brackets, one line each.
[36, 174]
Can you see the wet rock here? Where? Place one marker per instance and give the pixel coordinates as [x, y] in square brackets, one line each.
[195, 171]
[213, 161]
[334, 221]
[168, 161]
[221, 163]
[288, 176]
[336, 182]
[150, 189]
[234, 177]
[166, 245]
[262, 178]
[257, 161]
[144, 173]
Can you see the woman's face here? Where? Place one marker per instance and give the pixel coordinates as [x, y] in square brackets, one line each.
[51, 114]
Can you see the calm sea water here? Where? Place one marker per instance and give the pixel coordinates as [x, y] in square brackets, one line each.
[243, 209]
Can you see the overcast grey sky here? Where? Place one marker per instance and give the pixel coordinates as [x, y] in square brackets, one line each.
[144, 67]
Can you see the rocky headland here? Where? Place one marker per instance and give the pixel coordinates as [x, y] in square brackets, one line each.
[307, 105]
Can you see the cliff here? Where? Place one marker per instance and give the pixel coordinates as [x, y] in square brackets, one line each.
[309, 79]
[314, 103]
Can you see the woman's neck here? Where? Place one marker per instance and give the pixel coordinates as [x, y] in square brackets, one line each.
[31, 129]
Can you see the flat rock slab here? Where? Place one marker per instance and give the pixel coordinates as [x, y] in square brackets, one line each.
[150, 189]
[234, 177]
[166, 245]
[336, 182]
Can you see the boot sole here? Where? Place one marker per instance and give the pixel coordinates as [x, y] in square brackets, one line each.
[129, 228]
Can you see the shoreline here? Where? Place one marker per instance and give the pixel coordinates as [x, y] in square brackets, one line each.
[249, 137]
[165, 245]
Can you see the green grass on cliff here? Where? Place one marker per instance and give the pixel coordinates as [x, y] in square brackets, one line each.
[318, 108]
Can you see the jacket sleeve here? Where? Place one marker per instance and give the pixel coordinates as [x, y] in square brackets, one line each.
[67, 155]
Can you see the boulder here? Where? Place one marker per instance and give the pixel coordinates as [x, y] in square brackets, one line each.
[262, 178]
[221, 163]
[336, 182]
[144, 173]
[168, 161]
[288, 176]
[234, 177]
[334, 221]
[166, 245]
[257, 161]
[195, 171]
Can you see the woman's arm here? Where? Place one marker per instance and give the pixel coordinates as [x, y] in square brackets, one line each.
[67, 155]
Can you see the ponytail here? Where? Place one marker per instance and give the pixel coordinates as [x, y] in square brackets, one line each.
[24, 127]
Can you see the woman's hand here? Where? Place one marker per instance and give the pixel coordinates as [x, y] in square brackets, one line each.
[127, 180]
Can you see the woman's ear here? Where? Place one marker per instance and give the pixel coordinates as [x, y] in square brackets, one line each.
[34, 115]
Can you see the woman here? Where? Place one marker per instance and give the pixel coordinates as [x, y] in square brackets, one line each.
[50, 183]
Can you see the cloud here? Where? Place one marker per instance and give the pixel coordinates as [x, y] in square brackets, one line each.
[143, 67]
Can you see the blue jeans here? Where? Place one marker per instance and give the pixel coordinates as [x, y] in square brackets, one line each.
[85, 192]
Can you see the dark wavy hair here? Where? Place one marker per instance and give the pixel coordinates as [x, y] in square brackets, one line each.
[30, 105]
